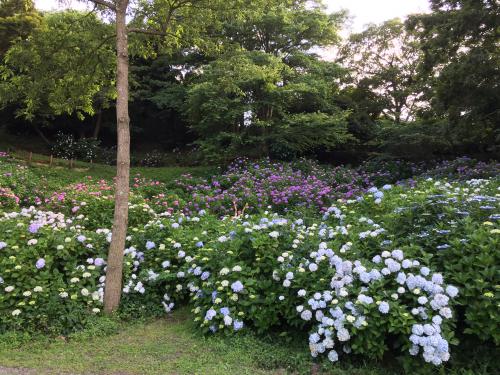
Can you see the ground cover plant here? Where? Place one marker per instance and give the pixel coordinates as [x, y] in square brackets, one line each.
[356, 262]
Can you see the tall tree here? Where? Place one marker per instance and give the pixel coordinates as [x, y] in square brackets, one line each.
[459, 40]
[114, 270]
[253, 103]
[167, 23]
[281, 27]
[385, 59]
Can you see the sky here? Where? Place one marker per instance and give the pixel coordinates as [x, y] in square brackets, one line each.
[376, 11]
[363, 11]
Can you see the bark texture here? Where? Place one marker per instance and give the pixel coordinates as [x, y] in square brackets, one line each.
[98, 123]
[113, 286]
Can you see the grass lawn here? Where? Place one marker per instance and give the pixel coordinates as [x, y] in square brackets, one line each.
[158, 347]
[162, 346]
[172, 346]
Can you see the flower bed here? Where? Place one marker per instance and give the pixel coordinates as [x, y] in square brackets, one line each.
[406, 268]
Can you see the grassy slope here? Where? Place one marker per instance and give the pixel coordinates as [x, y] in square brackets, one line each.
[160, 347]
[60, 173]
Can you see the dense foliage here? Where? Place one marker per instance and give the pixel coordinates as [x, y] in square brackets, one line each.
[399, 257]
[52, 72]
[255, 86]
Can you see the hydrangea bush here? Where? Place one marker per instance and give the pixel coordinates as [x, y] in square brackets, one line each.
[47, 280]
[402, 267]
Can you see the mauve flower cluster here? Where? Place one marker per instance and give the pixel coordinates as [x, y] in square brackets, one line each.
[463, 168]
[283, 186]
[306, 184]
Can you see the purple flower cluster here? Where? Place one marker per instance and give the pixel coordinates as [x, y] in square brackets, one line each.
[284, 186]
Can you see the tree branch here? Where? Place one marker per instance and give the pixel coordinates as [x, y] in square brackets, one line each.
[106, 3]
[151, 32]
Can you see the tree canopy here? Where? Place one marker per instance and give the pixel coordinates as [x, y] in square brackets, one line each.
[385, 58]
[460, 46]
[65, 67]
[225, 78]
[258, 102]
[281, 27]
[18, 18]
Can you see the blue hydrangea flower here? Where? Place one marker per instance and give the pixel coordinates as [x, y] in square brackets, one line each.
[40, 263]
[425, 271]
[237, 325]
[417, 329]
[314, 338]
[452, 291]
[237, 286]
[401, 278]
[34, 227]
[98, 262]
[333, 356]
[210, 314]
[365, 299]
[383, 307]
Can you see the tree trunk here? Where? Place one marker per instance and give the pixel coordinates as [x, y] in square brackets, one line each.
[98, 123]
[113, 286]
[41, 135]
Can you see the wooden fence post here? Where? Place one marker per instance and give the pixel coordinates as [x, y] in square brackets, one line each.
[50, 161]
[30, 157]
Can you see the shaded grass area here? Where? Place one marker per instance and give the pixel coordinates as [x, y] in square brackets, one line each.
[158, 347]
[173, 346]
[161, 346]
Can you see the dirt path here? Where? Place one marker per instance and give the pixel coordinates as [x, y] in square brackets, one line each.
[16, 371]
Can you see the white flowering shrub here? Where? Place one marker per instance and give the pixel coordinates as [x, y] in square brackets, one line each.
[264, 272]
[51, 271]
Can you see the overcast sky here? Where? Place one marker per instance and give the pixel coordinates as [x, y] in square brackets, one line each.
[377, 11]
[363, 11]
